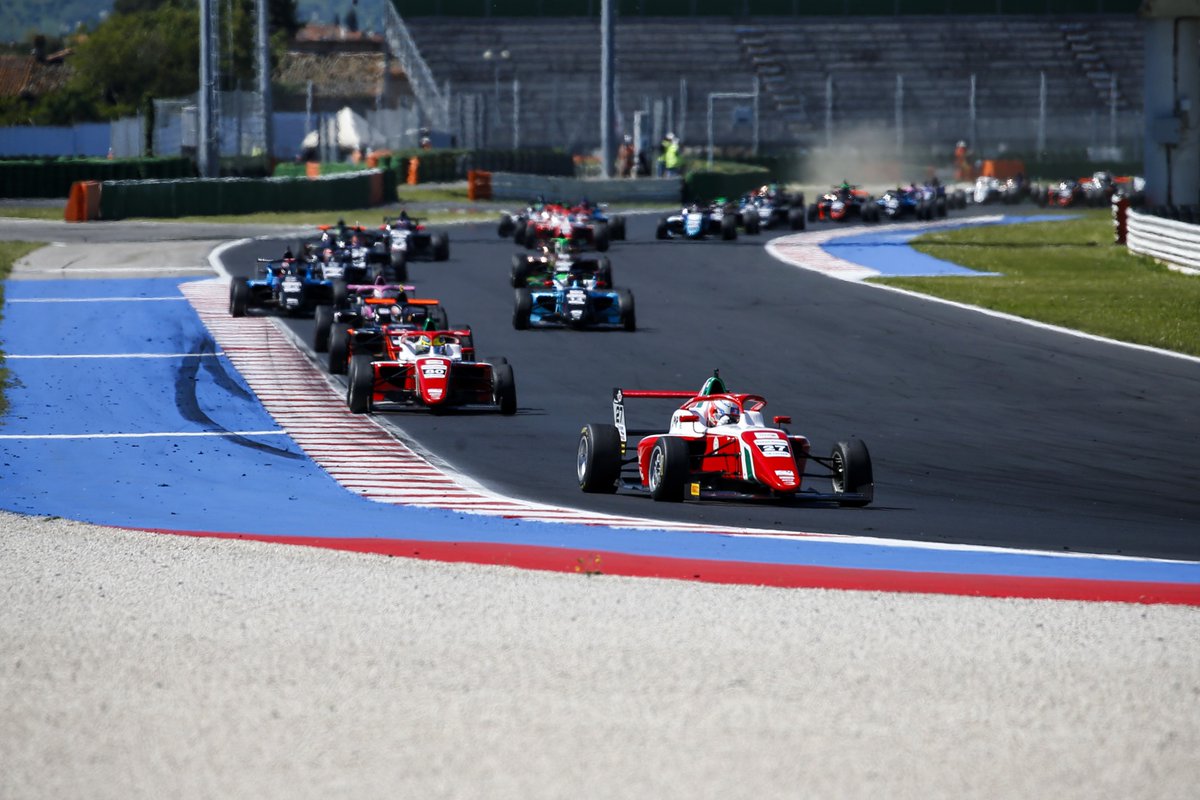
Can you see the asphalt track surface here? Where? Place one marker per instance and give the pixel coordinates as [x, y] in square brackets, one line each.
[982, 431]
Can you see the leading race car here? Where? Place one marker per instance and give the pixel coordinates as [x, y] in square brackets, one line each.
[718, 445]
[770, 207]
[432, 370]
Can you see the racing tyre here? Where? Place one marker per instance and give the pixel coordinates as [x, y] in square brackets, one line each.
[339, 348]
[598, 459]
[399, 267]
[505, 388]
[520, 270]
[530, 237]
[661, 231]
[852, 473]
[339, 295]
[600, 238]
[796, 218]
[812, 213]
[729, 228]
[940, 207]
[753, 223]
[441, 319]
[507, 226]
[617, 229]
[360, 385]
[518, 233]
[239, 297]
[522, 308]
[322, 321]
[604, 271]
[627, 309]
[441, 246]
[668, 470]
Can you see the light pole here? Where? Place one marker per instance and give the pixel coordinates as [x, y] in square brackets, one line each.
[496, 58]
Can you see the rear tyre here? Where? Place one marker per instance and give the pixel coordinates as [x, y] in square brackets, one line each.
[322, 321]
[339, 295]
[668, 472]
[812, 213]
[627, 309]
[530, 237]
[239, 297]
[598, 459]
[339, 348]
[796, 218]
[753, 223]
[520, 270]
[522, 308]
[440, 317]
[505, 388]
[852, 473]
[360, 385]
[506, 225]
[617, 229]
[661, 231]
[600, 238]
[441, 246]
[729, 228]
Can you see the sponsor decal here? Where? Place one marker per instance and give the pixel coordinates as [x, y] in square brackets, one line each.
[433, 369]
[785, 475]
[777, 449]
[695, 489]
[435, 394]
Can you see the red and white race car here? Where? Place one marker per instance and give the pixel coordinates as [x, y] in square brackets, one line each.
[435, 370]
[718, 446]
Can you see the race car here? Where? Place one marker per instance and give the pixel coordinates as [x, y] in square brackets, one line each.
[580, 297]
[356, 327]
[921, 202]
[555, 264]
[544, 214]
[287, 285]
[409, 240]
[347, 252]
[718, 446]
[699, 221]
[994, 190]
[842, 203]
[433, 370]
[769, 207]
[555, 222]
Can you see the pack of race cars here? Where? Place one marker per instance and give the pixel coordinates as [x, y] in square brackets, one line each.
[398, 349]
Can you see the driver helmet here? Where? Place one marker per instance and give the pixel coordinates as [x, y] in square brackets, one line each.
[562, 247]
[421, 344]
[721, 412]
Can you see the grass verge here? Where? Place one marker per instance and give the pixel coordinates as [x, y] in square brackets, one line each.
[8, 256]
[1067, 273]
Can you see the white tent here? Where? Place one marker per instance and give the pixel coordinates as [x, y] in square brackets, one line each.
[353, 133]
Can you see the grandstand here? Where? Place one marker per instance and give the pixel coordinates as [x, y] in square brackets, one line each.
[820, 78]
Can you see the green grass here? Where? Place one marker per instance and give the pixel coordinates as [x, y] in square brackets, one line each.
[34, 212]
[9, 253]
[1067, 273]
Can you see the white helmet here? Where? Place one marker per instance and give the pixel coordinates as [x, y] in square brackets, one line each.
[721, 412]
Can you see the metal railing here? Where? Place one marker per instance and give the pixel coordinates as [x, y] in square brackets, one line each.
[435, 105]
[1168, 240]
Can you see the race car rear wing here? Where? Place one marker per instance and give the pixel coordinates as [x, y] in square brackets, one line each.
[619, 396]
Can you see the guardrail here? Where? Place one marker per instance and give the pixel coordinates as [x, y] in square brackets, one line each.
[1167, 240]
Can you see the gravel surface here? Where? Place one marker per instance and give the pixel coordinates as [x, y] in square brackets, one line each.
[146, 665]
[141, 665]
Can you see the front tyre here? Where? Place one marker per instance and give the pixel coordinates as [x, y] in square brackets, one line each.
[668, 472]
[360, 385]
[522, 308]
[598, 459]
[339, 348]
[852, 473]
[322, 322]
[627, 310]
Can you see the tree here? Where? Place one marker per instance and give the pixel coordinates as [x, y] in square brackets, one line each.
[130, 56]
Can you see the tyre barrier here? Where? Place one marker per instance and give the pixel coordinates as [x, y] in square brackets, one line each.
[1165, 237]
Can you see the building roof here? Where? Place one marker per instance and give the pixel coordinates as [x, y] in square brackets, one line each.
[349, 75]
[27, 76]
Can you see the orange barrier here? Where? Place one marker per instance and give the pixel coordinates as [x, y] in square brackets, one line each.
[479, 185]
[375, 157]
[83, 204]
[413, 167]
[1003, 168]
[312, 169]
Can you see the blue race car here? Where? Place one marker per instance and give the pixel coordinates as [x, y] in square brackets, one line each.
[582, 297]
[286, 285]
